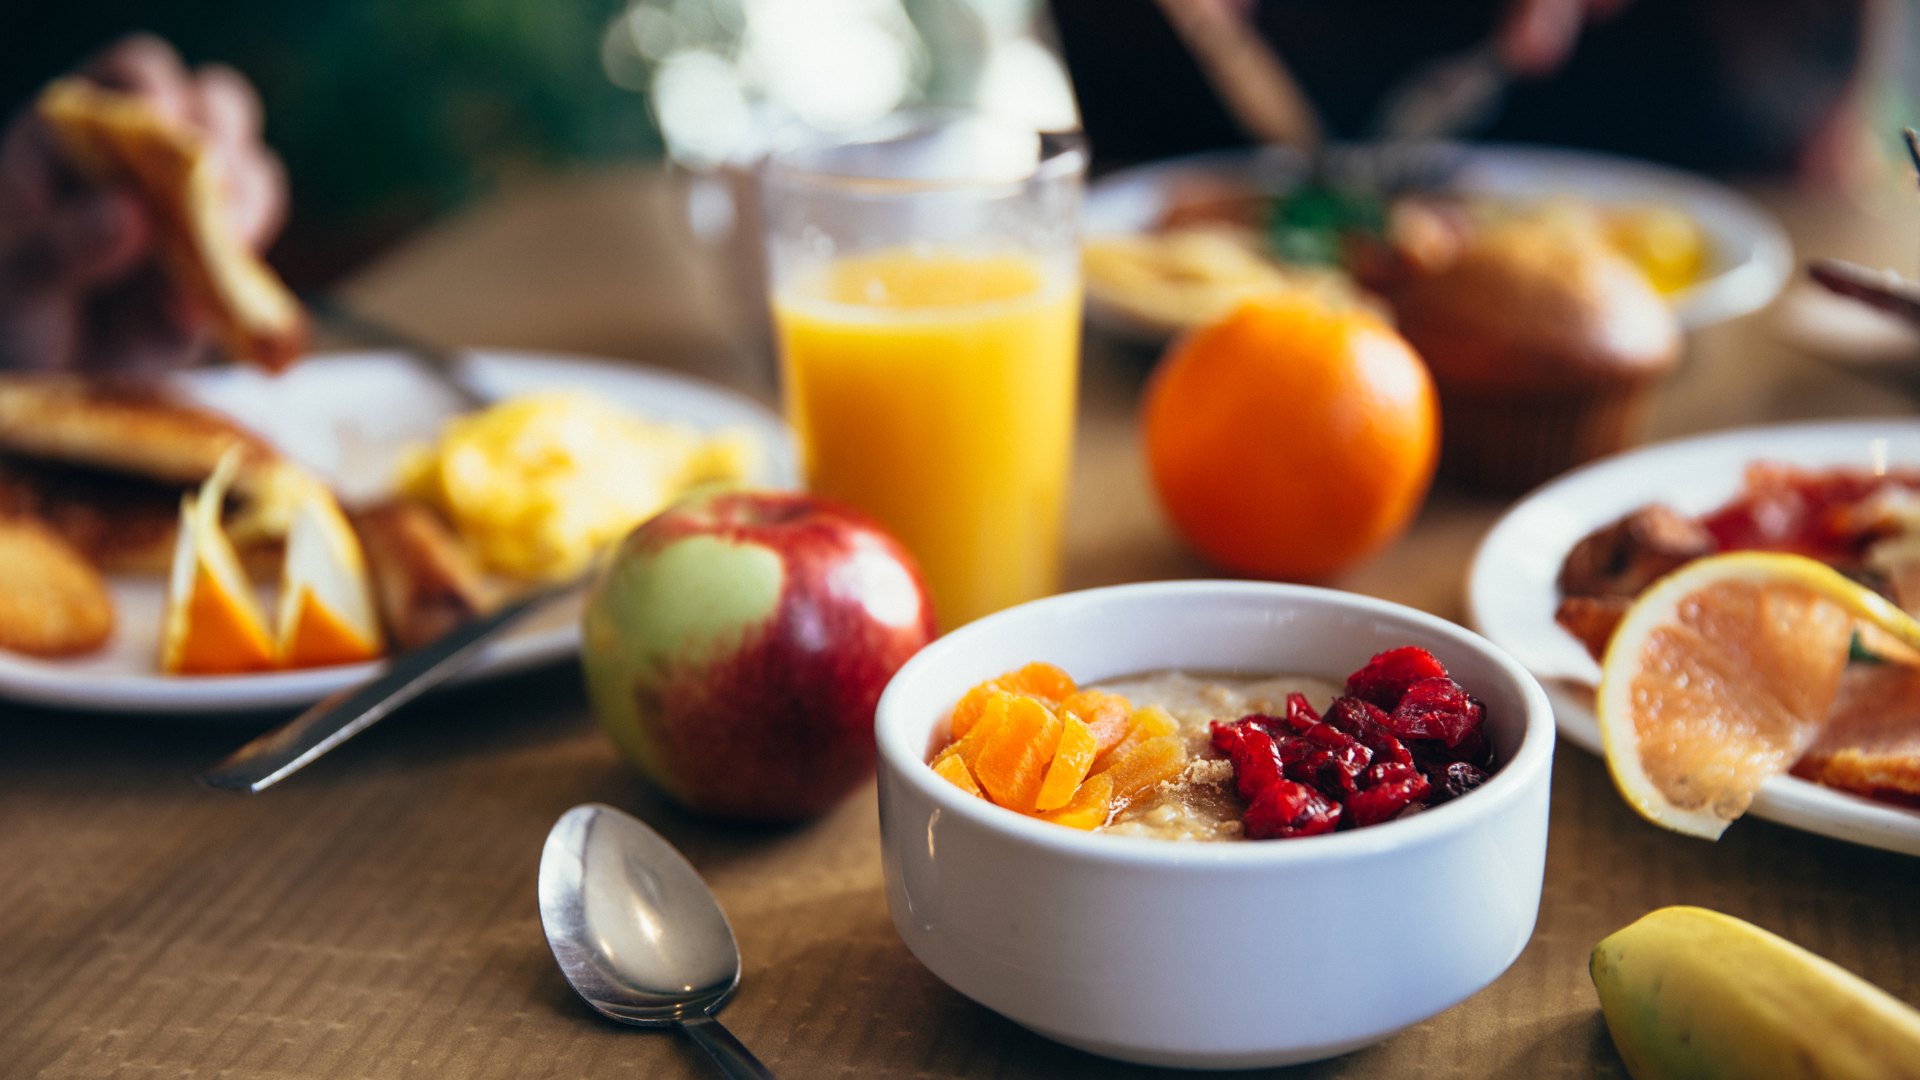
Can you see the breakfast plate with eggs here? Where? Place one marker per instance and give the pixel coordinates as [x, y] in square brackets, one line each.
[572, 453]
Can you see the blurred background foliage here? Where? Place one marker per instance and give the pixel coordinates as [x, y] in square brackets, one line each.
[386, 112]
[391, 112]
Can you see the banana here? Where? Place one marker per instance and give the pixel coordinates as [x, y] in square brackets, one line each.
[1691, 993]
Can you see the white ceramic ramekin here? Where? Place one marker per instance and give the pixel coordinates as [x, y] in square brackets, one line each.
[1216, 956]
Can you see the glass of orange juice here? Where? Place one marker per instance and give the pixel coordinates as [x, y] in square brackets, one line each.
[926, 302]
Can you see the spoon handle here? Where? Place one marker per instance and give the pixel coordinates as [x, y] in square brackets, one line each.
[726, 1051]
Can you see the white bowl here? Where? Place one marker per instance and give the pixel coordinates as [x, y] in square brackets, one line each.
[1212, 956]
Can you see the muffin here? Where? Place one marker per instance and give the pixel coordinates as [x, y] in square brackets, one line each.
[1545, 342]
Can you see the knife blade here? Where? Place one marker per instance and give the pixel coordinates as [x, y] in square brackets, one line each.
[1883, 289]
[1450, 97]
[285, 750]
[446, 366]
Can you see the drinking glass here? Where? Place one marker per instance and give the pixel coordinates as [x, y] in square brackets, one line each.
[925, 284]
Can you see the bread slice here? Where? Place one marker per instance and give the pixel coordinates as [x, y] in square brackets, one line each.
[52, 601]
[119, 137]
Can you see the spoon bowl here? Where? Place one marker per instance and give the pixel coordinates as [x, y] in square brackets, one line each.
[637, 933]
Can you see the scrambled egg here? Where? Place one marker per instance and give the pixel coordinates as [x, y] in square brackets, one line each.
[540, 484]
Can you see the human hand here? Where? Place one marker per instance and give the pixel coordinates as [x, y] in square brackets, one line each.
[81, 284]
[1536, 36]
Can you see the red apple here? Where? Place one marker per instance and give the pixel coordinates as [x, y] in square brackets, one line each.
[735, 647]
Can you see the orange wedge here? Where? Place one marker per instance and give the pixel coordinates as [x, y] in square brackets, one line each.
[326, 602]
[213, 624]
[1721, 675]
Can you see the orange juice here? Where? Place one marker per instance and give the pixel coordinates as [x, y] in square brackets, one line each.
[935, 390]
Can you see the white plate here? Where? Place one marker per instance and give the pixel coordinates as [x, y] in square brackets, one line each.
[1751, 257]
[346, 416]
[1511, 594]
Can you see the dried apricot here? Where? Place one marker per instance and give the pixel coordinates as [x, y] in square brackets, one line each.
[1071, 760]
[1154, 761]
[954, 770]
[1090, 808]
[1108, 716]
[1013, 763]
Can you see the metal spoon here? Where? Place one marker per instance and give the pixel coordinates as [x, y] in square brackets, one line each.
[637, 932]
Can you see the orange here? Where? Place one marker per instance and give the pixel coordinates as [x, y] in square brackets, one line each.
[1721, 675]
[1293, 438]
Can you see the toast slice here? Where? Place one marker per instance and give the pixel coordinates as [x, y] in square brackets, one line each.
[119, 137]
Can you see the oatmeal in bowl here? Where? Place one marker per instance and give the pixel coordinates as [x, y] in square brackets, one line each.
[1174, 756]
[1062, 929]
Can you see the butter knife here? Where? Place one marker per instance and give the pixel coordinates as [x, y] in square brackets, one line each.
[293, 745]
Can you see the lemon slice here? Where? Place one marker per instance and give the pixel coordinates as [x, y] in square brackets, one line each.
[1721, 675]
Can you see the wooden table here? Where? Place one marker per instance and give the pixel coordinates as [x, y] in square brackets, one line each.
[375, 916]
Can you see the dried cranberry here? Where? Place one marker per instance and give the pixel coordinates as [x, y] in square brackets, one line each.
[1388, 675]
[1375, 804]
[1433, 756]
[1356, 717]
[1256, 762]
[1302, 762]
[1225, 736]
[1293, 750]
[1300, 714]
[1329, 737]
[1436, 709]
[1326, 758]
[1385, 747]
[1456, 780]
[1475, 749]
[1350, 756]
[1389, 772]
[1271, 725]
[1288, 809]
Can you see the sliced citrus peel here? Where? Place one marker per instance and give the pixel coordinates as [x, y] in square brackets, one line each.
[213, 624]
[1721, 675]
[326, 614]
